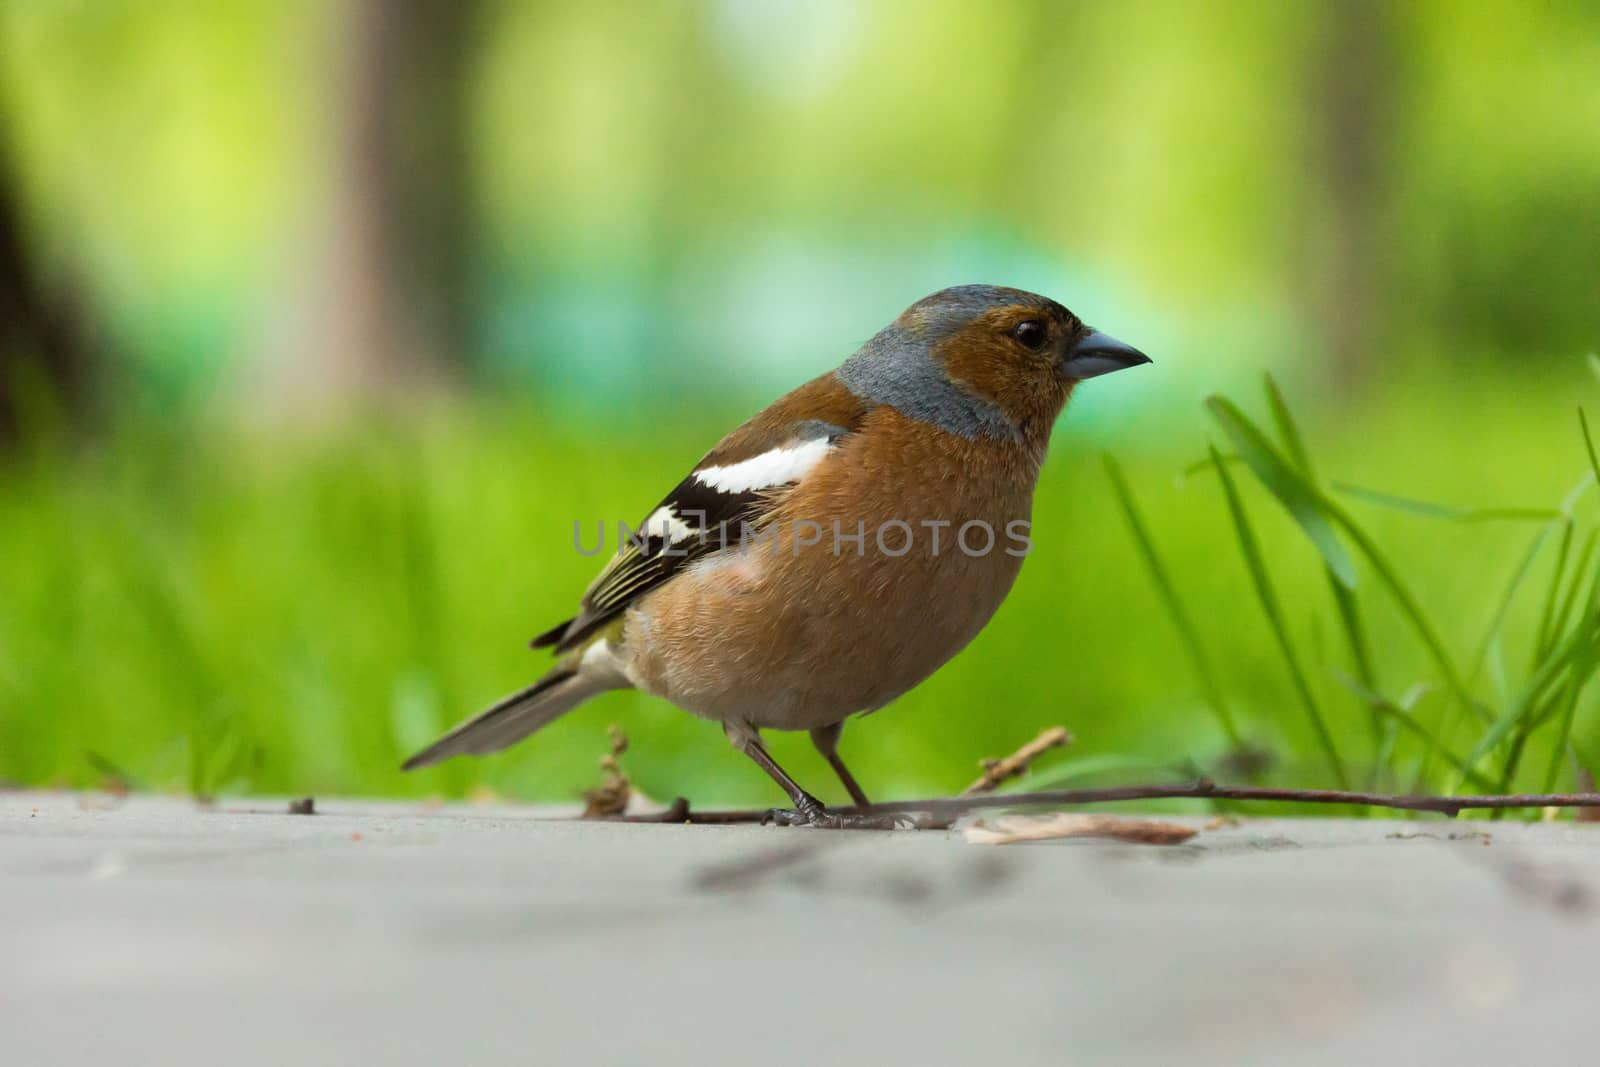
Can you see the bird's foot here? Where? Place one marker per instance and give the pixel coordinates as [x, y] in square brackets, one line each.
[816, 815]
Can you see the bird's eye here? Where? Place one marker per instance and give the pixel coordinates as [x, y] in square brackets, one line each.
[1030, 334]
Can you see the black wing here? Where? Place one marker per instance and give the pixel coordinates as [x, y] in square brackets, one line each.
[695, 520]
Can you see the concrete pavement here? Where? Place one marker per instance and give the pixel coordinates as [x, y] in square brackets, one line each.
[148, 931]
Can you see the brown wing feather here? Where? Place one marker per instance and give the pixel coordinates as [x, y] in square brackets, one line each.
[821, 407]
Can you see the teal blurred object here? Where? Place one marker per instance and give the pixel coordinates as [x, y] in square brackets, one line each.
[1332, 188]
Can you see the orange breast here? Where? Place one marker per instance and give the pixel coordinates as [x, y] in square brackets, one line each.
[879, 567]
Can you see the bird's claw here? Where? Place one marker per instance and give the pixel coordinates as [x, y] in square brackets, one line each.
[823, 819]
[785, 817]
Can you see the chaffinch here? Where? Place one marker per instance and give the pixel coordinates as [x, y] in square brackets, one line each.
[838, 548]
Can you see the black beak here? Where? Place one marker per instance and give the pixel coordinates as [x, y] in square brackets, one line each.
[1099, 354]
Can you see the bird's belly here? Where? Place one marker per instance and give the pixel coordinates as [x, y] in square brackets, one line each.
[790, 643]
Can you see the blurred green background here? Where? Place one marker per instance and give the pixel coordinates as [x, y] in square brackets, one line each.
[321, 323]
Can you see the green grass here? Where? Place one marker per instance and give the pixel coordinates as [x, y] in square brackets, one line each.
[223, 609]
[1563, 661]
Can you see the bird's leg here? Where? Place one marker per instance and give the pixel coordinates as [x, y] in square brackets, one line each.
[808, 810]
[826, 738]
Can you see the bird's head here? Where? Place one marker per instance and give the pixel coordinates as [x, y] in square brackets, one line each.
[982, 360]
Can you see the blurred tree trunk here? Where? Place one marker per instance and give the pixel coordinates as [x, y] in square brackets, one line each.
[1352, 84]
[44, 349]
[387, 308]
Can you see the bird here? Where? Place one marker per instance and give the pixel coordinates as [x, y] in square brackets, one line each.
[835, 550]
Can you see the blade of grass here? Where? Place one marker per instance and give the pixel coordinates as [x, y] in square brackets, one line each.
[1408, 702]
[1292, 490]
[1544, 708]
[1575, 494]
[1588, 443]
[1445, 511]
[1400, 713]
[1578, 674]
[1489, 642]
[1173, 603]
[1203, 466]
[1498, 619]
[1584, 665]
[1385, 754]
[1577, 574]
[1578, 645]
[1293, 443]
[1356, 637]
[1344, 597]
[1564, 704]
[1552, 621]
[1569, 599]
[1583, 668]
[1275, 474]
[1354, 632]
[1527, 698]
[1270, 606]
[1543, 635]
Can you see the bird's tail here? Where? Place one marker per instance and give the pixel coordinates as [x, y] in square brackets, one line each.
[518, 715]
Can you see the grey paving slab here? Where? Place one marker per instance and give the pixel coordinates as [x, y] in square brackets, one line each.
[150, 931]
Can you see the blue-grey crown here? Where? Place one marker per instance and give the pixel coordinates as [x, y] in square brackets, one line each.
[941, 314]
[897, 366]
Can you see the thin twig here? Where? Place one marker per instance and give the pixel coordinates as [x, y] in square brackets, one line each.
[945, 811]
[996, 771]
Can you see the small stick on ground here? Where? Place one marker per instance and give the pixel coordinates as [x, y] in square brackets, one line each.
[943, 812]
[998, 771]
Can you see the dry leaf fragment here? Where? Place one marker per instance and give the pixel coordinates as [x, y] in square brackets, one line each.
[611, 797]
[1010, 829]
[607, 800]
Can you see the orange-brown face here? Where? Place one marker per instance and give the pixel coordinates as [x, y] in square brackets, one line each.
[1015, 355]
[983, 361]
